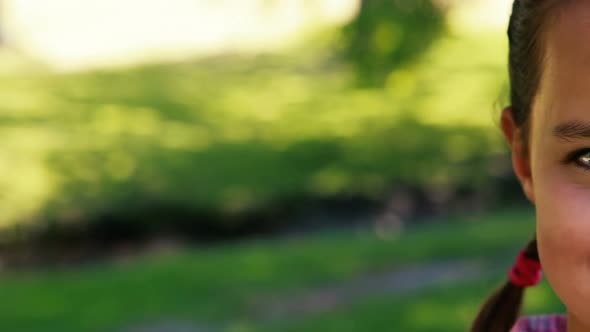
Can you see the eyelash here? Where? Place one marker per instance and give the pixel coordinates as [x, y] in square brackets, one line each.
[574, 158]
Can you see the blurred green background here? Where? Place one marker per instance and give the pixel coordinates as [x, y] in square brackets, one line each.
[305, 171]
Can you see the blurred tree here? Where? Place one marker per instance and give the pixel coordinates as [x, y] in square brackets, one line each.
[388, 33]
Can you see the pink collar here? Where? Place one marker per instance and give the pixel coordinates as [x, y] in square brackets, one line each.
[546, 323]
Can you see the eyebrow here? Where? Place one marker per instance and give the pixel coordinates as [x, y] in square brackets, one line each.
[572, 130]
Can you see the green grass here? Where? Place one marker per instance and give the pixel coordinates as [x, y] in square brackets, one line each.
[218, 284]
[444, 309]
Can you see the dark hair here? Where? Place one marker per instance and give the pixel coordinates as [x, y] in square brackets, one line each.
[526, 56]
[526, 45]
[500, 311]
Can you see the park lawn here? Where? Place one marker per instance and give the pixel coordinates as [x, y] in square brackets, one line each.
[217, 284]
[447, 309]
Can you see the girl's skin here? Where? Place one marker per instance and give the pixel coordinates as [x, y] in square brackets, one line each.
[553, 163]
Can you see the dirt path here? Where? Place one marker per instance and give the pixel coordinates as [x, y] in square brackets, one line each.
[300, 303]
[399, 282]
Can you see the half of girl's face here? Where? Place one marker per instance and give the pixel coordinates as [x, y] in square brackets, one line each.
[559, 159]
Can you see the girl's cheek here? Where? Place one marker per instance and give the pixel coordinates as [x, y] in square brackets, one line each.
[563, 216]
[563, 232]
[562, 195]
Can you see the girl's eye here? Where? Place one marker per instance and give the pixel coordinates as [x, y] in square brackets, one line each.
[581, 158]
[584, 160]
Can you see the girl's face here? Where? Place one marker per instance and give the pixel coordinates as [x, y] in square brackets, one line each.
[556, 172]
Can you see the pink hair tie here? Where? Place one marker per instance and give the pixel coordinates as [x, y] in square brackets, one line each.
[526, 271]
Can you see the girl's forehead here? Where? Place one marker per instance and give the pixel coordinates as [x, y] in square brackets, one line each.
[567, 35]
[564, 90]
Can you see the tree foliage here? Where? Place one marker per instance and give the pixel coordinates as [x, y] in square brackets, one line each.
[387, 34]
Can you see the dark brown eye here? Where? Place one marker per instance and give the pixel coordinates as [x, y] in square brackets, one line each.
[584, 159]
[580, 158]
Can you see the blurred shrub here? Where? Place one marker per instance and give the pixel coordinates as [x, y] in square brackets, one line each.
[389, 33]
[235, 135]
